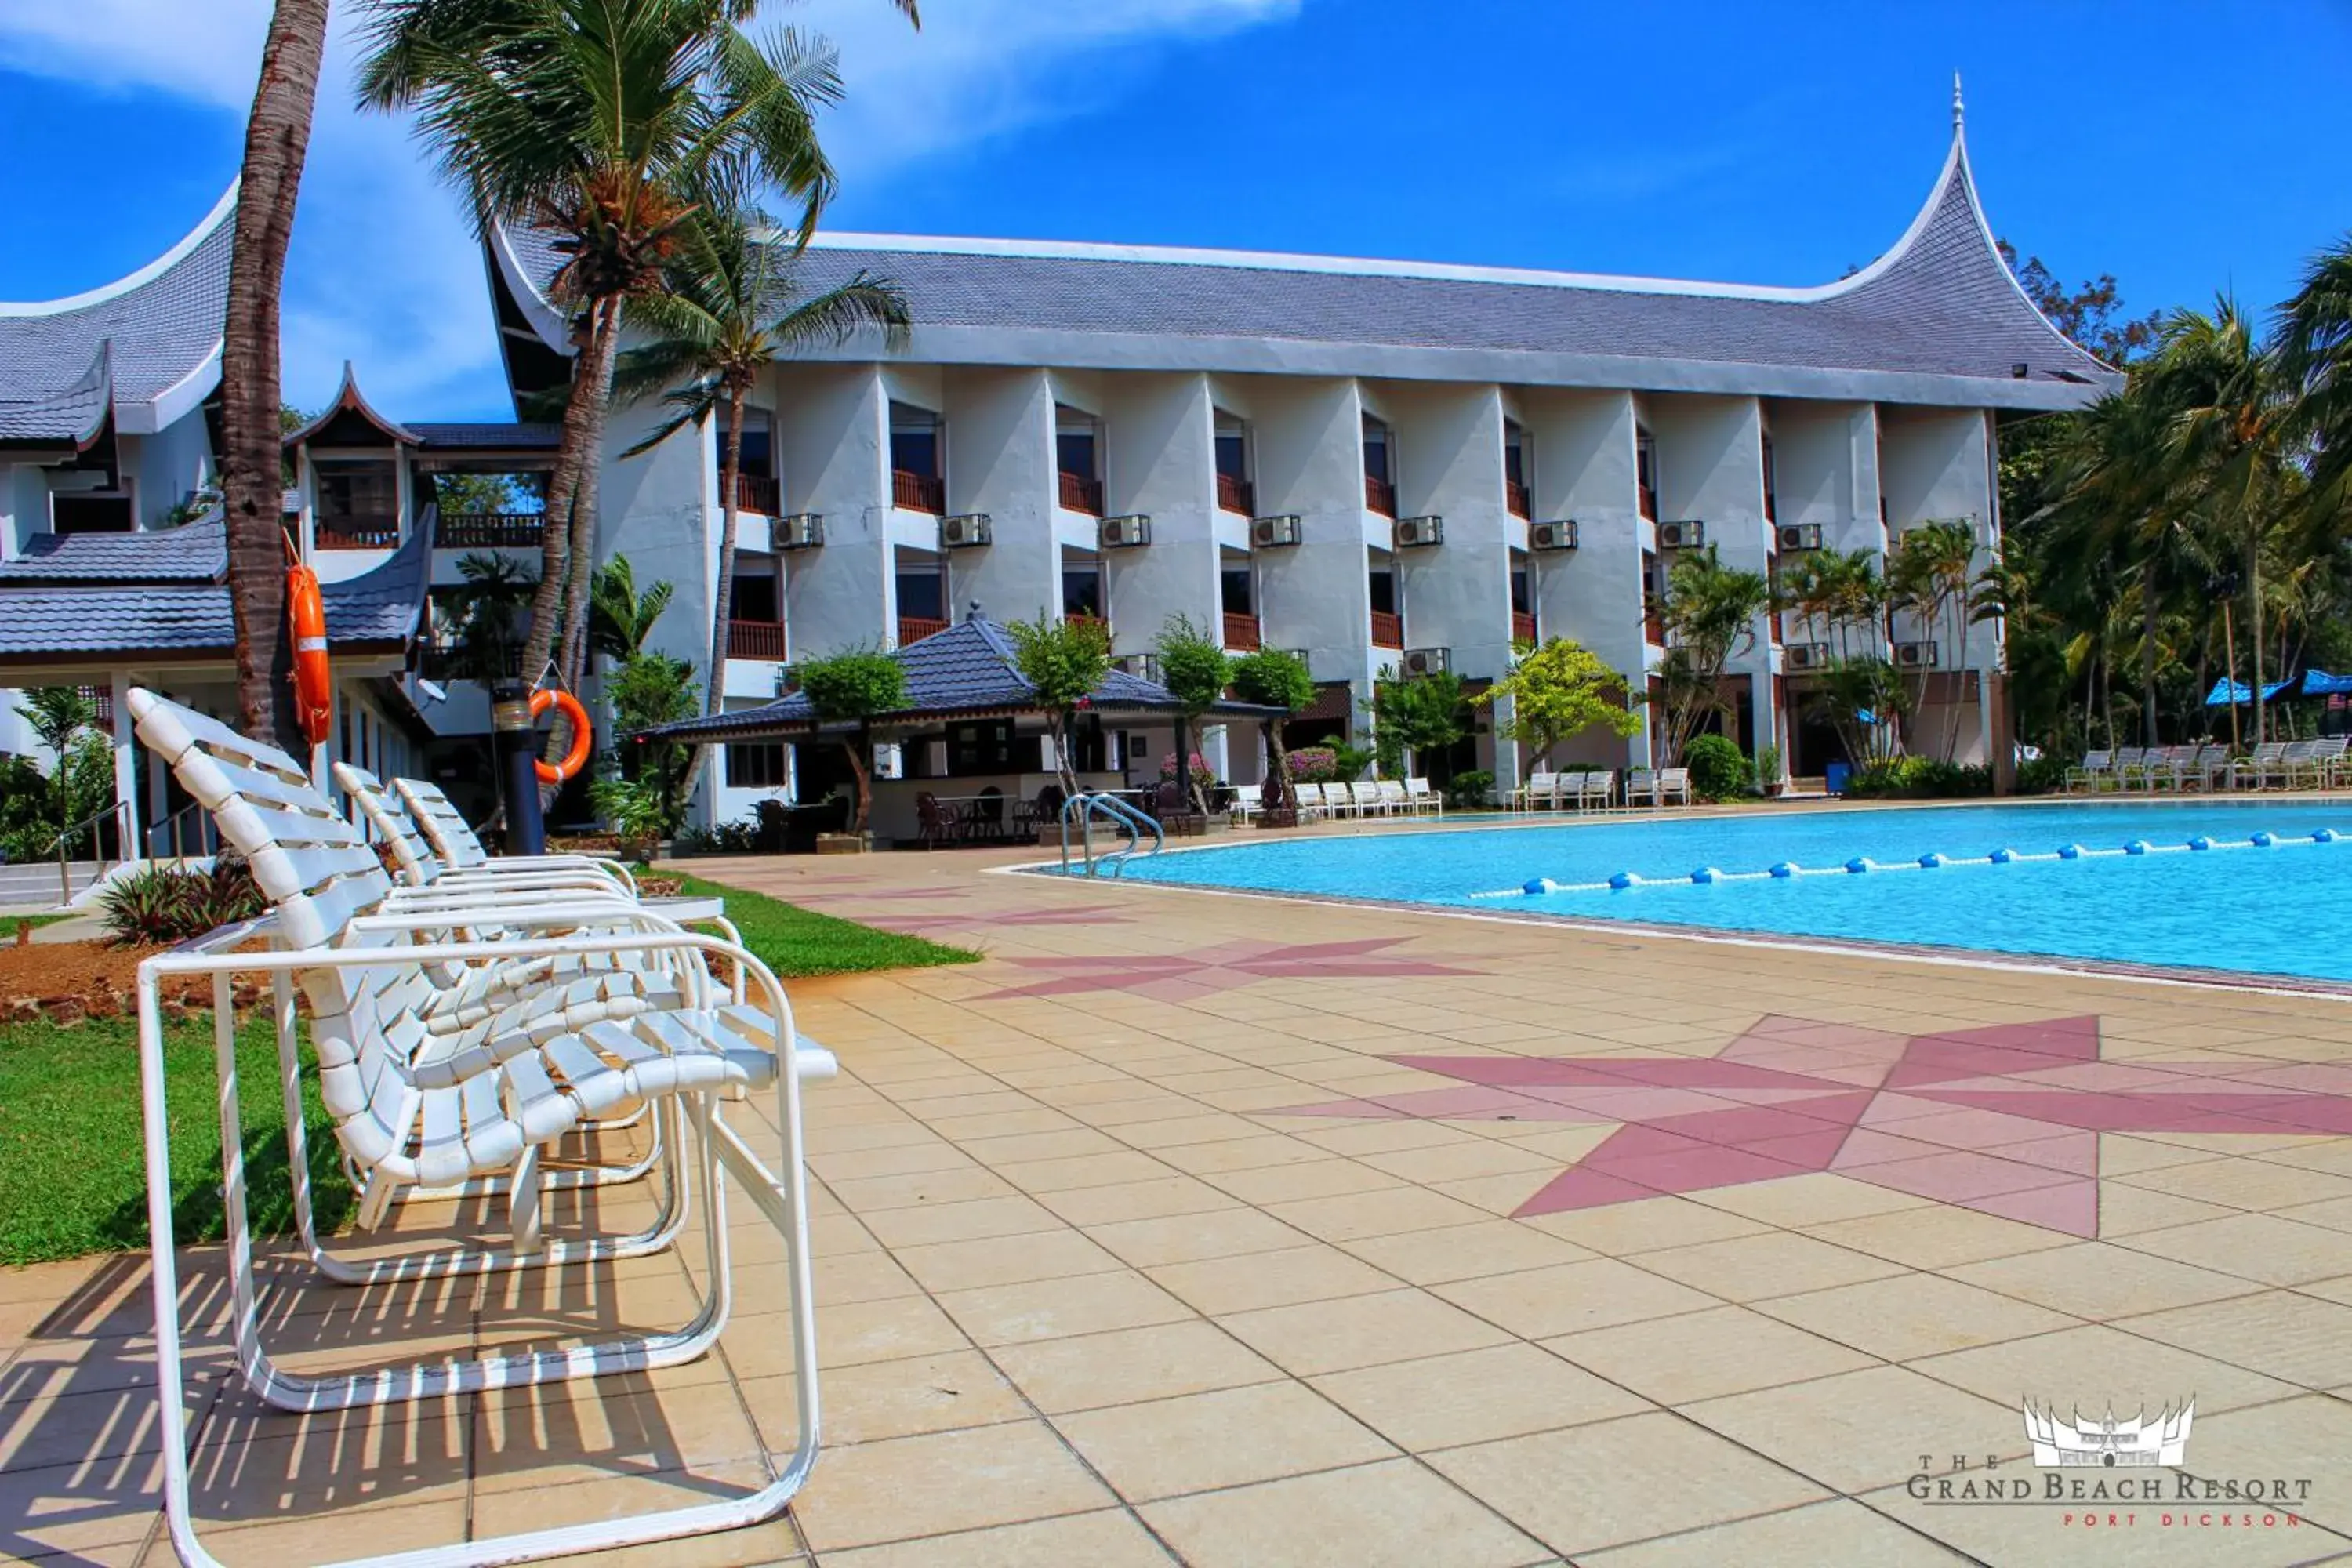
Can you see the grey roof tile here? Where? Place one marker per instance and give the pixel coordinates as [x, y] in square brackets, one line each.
[193, 553]
[458, 436]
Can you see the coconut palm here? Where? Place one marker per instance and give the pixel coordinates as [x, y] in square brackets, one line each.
[483, 614]
[1710, 617]
[730, 312]
[277, 138]
[594, 121]
[620, 618]
[2315, 352]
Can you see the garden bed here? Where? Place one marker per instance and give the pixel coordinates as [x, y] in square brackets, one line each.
[68, 982]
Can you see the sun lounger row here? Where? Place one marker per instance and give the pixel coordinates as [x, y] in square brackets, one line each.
[1371, 797]
[2273, 765]
[1584, 791]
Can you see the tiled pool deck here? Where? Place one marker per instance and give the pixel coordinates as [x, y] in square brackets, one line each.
[1232, 1231]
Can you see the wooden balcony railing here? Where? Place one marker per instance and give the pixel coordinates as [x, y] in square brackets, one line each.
[1080, 493]
[1388, 630]
[1514, 495]
[760, 493]
[918, 492]
[490, 530]
[756, 640]
[359, 533]
[915, 628]
[444, 661]
[1522, 627]
[1237, 494]
[1379, 496]
[1654, 626]
[1650, 503]
[1240, 632]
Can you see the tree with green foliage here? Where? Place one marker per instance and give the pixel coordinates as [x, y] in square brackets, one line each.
[854, 687]
[645, 689]
[1933, 575]
[1862, 699]
[1711, 614]
[1417, 719]
[482, 495]
[1195, 669]
[620, 618]
[1064, 661]
[56, 714]
[1274, 678]
[482, 616]
[1559, 690]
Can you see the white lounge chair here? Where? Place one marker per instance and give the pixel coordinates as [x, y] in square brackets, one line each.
[2316, 767]
[1248, 803]
[2095, 767]
[410, 1110]
[1599, 790]
[454, 840]
[1394, 800]
[1674, 781]
[1541, 790]
[1310, 800]
[1424, 801]
[2255, 770]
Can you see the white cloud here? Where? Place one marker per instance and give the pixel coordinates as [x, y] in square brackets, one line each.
[385, 270]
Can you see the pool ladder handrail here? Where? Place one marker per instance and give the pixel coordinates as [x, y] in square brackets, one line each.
[1084, 808]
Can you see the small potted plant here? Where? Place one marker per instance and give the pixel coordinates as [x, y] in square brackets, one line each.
[1767, 771]
[638, 810]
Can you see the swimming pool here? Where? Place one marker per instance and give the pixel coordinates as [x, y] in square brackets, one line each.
[2276, 910]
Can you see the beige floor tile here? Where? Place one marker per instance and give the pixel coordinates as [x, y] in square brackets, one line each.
[1753, 1267]
[871, 1331]
[1359, 1331]
[1390, 1515]
[1163, 1195]
[1288, 1274]
[951, 1185]
[1866, 1428]
[894, 1399]
[1475, 1396]
[1257, 1151]
[974, 1265]
[862, 1494]
[2296, 1440]
[1461, 1162]
[2128, 1210]
[1840, 1531]
[1571, 1297]
[1352, 1216]
[1467, 1251]
[1703, 1356]
[1127, 1365]
[962, 1222]
[2096, 1366]
[1110, 1537]
[1227, 1438]
[1056, 1308]
[1327, 1177]
[1913, 1315]
[2096, 1280]
[1647, 1224]
[2242, 1183]
[1809, 1200]
[1937, 1238]
[2274, 1251]
[1190, 1237]
[1038, 1177]
[1584, 1488]
[2285, 1334]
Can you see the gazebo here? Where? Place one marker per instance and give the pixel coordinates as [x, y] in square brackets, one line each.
[974, 728]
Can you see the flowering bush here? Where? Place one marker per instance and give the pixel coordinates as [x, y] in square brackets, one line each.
[1314, 764]
[1202, 774]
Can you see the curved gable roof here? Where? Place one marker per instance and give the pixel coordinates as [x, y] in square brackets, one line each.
[159, 330]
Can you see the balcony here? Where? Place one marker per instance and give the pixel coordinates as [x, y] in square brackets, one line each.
[1237, 494]
[1080, 493]
[449, 661]
[915, 628]
[487, 531]
[1388, 630]
[1514, 495]
[918, 492]
[756, 640]
[1379, 496]
[1650, 501]
[358, 533]
[1522, 627]
[760, 493]
[1653, 626]
[1240, 632]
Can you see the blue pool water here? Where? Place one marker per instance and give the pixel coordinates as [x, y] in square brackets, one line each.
[2280, 910]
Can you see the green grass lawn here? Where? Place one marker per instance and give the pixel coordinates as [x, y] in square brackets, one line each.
[72, 1180]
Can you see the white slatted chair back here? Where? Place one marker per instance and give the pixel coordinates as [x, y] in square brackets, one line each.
[1642, 782]
[1602, 783]
[1674, 780]
[443, 825]
[2093, 762]
[1393, 797]
[394, 824]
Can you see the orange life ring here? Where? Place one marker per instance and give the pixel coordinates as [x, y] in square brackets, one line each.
[577, 757]
[314, 681]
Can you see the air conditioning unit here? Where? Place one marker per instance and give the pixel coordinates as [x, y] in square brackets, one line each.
[1915, 656]
[1560, 535]
[1686, 535]
[965, 531]
[1427, 660]
[1800, 536]
[802, 531]
[1413, 533]
[1125, 532]
[1807, 655]
[1274, 532]
[1142, 666]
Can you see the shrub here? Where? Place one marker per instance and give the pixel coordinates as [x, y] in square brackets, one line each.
[724, 838]
[1718, 769]
[158, 905]
[1203, 775]
[1313, 764]
[1470, 790]
[2040, 776]
[1919, 778]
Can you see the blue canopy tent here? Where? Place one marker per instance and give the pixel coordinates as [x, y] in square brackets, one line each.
[2319, 683]
[2230, 693]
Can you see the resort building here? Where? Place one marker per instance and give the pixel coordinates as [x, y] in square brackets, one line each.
[1383, 465]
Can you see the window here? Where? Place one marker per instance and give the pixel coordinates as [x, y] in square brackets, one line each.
[1515, 466]
[1235, 584]
[914, 441]
[1233, 449]
[923, 595]
[91, 513]
[1082, 591]
[1383, 589]
[759, 452]
[370, 491]
[1522, 600]
[1770, 515]
[757, 765]
[980, 748]
[1645, 470]
[1077, 443]
[1376, 450]
[755, 599]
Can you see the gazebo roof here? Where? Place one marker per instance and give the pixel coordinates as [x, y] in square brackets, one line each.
[967, 671]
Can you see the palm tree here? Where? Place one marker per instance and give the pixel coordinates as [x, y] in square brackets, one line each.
[1710, 617]
[596, 119]
[56, 714]
[2314, 351]
[277, 138]
[482, 615]
[620, 618]
[728, 315]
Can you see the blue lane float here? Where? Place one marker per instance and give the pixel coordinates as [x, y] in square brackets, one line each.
[2070, 852]
[2002, 857]
[1624, 879]
[1931, 860]
[1538, 885]
[2200, 842]
[1785, 868]
[2140, 846]
[2323, 836]
[2262, 840]
[1706, 874]
[1860, 864]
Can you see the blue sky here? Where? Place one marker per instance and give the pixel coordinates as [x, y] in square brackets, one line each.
[2177, 145]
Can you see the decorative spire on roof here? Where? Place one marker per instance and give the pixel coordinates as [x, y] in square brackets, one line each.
[1960, 109]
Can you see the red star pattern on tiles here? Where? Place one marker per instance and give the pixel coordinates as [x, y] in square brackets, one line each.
[1178, 976]
[2004, 1120]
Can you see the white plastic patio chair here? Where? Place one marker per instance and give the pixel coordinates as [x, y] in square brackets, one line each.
[1642, 783]
[1309, 797]
[1339, 800]
[2127, 776]
[2085, 776]
[1541, 789]
[2254, 769]
[1674, 782]
[1394, 799]
[1247, 803]
[455, 841]
[2316, 769]
[387, 813]
[412, 1111]
[1423, 800]
[1600, 789]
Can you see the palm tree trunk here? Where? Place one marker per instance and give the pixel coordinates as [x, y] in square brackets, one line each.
[574, 453]
[722, 604]
[2254, 606]
[277, 138]
[573, 666]
[2147, 660]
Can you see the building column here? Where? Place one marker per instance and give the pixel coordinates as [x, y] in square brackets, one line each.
[126, 768]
